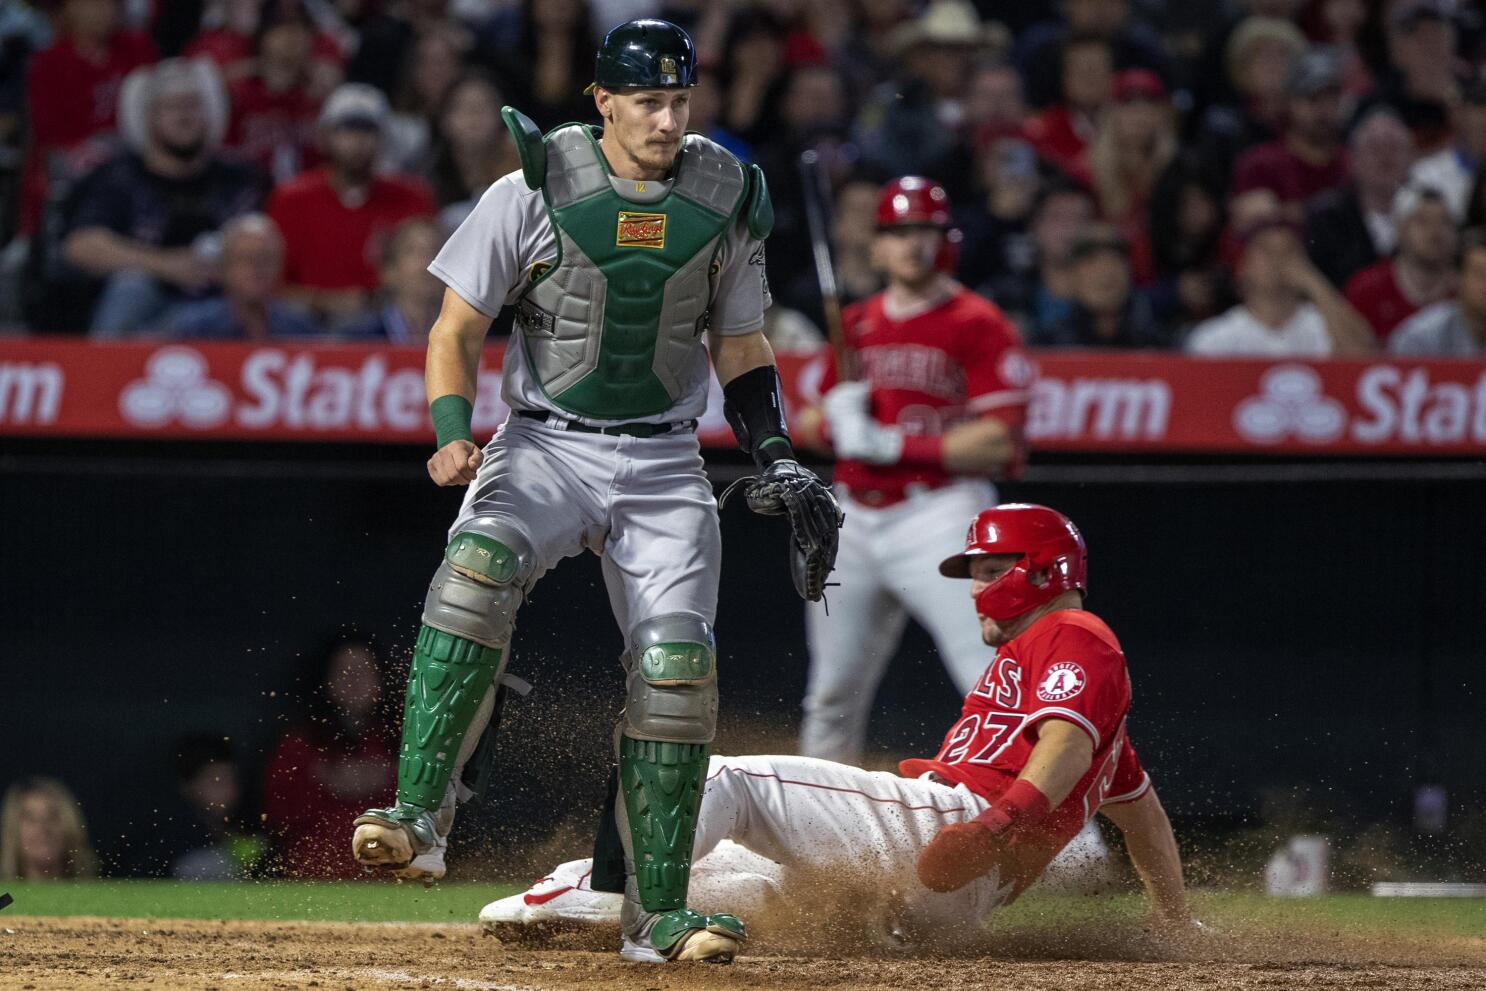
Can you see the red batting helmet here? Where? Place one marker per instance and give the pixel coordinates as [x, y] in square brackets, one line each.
[1047, 542]
[913, 201]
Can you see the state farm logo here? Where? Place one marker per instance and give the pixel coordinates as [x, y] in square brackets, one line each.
[175, 387]
[1290, 403]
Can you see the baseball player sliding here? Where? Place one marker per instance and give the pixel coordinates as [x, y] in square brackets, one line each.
[620, 248]
[936, 411]
[1039, 747]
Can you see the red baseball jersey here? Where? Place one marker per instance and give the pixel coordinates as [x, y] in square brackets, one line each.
[1067, 665]
[955, 362]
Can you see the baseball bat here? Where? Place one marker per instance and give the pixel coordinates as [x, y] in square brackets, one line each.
[816, 188]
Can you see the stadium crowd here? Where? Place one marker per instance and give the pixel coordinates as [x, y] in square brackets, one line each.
[1234, 177]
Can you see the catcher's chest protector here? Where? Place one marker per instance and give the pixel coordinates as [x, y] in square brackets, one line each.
[610, 330]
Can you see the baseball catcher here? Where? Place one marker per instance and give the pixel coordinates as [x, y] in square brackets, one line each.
[620, 248]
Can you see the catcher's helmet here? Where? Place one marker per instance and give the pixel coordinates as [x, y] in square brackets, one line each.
[913, 201]
[645, 54]
[1047, 542]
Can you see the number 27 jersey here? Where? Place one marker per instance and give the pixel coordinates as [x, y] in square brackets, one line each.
[1067, 665]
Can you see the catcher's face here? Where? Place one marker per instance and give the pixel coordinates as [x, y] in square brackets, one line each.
[647, 124]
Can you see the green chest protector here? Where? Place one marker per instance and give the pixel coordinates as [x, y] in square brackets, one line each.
[611, 330]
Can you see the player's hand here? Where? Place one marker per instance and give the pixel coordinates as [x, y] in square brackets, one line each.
[456, 463]
[960, 853]
[847, 401]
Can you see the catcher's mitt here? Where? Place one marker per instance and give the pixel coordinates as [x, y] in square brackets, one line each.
[788, 488]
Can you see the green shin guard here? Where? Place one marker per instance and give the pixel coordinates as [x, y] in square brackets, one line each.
[662, 788]
[449, 678]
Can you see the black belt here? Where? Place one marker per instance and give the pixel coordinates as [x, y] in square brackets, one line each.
[618, 430]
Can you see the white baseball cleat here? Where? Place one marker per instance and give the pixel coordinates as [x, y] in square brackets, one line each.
[562, 901]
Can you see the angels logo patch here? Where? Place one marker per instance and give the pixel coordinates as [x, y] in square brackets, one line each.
[1063, 680]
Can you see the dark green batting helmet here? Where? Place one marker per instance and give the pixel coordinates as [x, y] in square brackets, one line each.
[645, 54]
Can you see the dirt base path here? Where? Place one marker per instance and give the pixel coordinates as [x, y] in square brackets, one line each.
[72, 953]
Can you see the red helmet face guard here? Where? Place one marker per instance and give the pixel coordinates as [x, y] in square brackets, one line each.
[1048, 545]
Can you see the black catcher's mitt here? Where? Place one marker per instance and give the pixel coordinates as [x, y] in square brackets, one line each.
[788, 488]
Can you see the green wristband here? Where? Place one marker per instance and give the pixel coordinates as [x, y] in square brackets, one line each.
[451, 418]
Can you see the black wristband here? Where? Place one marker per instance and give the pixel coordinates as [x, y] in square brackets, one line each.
[754, 406]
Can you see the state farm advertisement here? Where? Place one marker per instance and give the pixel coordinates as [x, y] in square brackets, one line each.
[1080, 401]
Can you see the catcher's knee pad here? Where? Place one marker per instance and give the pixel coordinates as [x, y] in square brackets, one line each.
[478, 588]
[672, 680]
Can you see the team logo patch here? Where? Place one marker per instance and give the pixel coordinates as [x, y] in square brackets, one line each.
[1062, 681]
[668, 74]
[538, 269]
[641, 230]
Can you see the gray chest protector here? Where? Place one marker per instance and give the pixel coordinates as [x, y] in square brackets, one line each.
[610, 330]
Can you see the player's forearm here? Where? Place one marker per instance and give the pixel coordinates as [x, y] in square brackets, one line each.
[1350, 333]
[980, 447]
[732, 355]
[1153, 852]
[452, 366]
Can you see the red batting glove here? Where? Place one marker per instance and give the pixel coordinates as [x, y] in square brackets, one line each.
[964, 851]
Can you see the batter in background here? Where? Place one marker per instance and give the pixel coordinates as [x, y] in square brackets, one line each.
[621, 249]
[934, 412]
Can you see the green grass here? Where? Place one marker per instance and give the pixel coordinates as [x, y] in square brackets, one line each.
[461, 902]
[278, 900]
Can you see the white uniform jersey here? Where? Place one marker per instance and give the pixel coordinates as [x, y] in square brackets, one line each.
[492, 257]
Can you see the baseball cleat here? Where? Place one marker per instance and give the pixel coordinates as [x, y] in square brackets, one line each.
[687, 935]
[562, 901]
[392, 838]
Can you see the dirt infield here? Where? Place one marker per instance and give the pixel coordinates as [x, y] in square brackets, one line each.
[56, 953]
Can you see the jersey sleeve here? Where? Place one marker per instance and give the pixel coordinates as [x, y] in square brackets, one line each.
[482, 260]
[741, 289]
[998, 373]
[1130, 779]
[1081, 678]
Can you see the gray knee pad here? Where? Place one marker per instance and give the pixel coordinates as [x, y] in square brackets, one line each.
[672, 681]
[480, 585]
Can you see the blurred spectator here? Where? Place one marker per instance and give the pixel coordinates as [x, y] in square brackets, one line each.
[706, 116]
[1341, 25]
[1309, 159]
[1350, 228]
[751, 72]
[1135, 142]
[146, 221]
[910, 126]
[1455, 329]
[409, 295]
[1258, 60]
[553, 61]
[436, 61]
[1287, 307]
[1062, 132]
[993, 99]
[1452, 168]
[853, 230]
[252, 276]
[471, 147]
[1131, 44]
[1186, 227]
[335, 218]
[1420, 81]
[997, 246]
[1421, 271]
[276, 101]
[1107, 311]
[42, 833]
[72, 90]
[1043, 296]
[328, 768]
[214, 843]
[1209, 79]
[231, 35]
